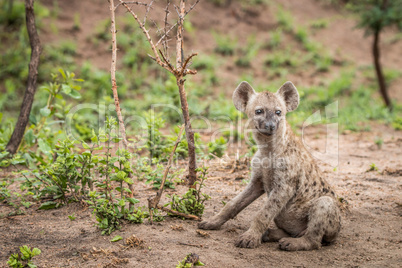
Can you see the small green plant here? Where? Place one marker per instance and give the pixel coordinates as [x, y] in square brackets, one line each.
[301, 35]
[72, 217]
[284, 19]
[397, 123]
[23, 259]
[275, 38]
[225, 45]
[189, 261]
[156, 142]
[217, 147]
[319, 24]
[153, 173]
[77, 22]
[192, 202]
[379, 142]
[373, 167]
[248, 53]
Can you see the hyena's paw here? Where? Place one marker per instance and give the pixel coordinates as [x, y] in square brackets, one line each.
[209, 225]
[294, 244]
[248, 240]
[274, 235]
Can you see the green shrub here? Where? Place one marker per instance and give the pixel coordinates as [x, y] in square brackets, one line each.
[23, 259]
[192, 202]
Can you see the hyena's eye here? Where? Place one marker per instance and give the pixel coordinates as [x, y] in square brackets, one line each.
[258, 111]
[278, 112]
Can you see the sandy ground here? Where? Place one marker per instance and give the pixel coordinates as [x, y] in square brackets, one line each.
[370, 236]
[371, 233]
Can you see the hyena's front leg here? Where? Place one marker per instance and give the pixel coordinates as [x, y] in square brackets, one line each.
[277, 200]
[253, 190]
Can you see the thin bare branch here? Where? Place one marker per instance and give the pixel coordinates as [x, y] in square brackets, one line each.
[187, 61]
[165, 42]
[154, 200]
[187, 216]
[166, 34]
[114, 86]
[178, 12]
[179, 40]
[191, 8]
[146, 32]
[147, 11]
[131, 3]
[167, 62]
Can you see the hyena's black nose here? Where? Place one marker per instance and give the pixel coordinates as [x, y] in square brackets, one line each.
[270, 126]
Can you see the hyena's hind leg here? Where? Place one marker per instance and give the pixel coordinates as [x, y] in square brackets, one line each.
[274, 235]
[324, 225]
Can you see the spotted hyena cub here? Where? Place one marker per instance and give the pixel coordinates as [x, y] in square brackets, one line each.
[299, 199]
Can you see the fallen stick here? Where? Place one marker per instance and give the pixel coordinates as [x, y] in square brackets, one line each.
[191, 245]
[187, 216]
[153, 201]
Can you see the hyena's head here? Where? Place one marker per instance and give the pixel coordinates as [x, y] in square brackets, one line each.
[267, 110]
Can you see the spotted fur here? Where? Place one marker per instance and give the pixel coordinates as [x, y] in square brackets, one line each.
[300, 201]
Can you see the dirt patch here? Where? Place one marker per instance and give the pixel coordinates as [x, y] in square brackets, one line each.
[370, 236]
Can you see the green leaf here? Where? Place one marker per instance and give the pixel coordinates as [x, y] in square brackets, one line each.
[32, 119]
[3, 154]
[121, 175]
[31, 265]
[61, 71]
[133, 200]
[116, 238]
[1, 117]
[85, 145]
[75, 94]
[127, 190]
[66, 89]
[122, 203]
[44, 146]
[128, 180]
[198, 263]
[59, 96]
[26, 252]
[36, 251]
[48, 205]
[29, 137]
[94, 138]
[45, 111]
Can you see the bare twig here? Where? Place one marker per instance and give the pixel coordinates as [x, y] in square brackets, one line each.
[153, 201]
[191, 245]
[165, 40]
[114, 89]
[184, 71]
[146, 32]
[167, 62]
[187, 216]
[191, 8]
[166, 34]
[130, 3]
[147, 11]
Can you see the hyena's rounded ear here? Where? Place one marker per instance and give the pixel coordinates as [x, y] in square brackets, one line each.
[242, 95]
[289, 94]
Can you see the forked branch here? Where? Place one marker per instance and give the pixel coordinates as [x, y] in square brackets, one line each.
[146, 32]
